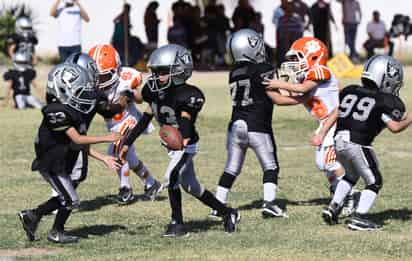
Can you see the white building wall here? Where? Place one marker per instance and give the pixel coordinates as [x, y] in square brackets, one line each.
[102, 12]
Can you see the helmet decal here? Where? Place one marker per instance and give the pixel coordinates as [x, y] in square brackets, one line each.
[312, 46]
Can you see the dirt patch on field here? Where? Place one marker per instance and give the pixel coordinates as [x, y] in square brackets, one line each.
[24, 252]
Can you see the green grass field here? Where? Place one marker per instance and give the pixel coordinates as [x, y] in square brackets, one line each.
[134, 232]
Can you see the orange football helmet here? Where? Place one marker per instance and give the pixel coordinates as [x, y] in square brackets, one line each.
[305, 53]
[108, 64]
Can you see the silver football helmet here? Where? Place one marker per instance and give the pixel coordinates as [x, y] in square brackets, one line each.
[24, 26]
[246, 45]
[86, 62]
[72, 85]
[22, 60]
[385, 72]
[173, 60]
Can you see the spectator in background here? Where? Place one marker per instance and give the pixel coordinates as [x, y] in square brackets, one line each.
[351, 17]
[122, 32]
[289, 28]
[321, 16]
[377, 36]
[243, 15]
[222, 32]
[177, 34]
[302, 9]
[69, 14]
[151, 23]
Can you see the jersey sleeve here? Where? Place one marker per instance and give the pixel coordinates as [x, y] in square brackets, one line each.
[8, 76]
[263, 71]
[131, 77]
[192, 102]
[57, 118]
[31, 74]
[147, 93]
[393, 107]
[318, 73]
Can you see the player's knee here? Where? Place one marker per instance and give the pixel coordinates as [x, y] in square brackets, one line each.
[351, 180]
[195, 190]
[375, 187]
[227, 180]
[271, 176]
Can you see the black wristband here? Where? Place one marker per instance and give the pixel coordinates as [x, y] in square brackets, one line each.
[138, 129]
[185, 127]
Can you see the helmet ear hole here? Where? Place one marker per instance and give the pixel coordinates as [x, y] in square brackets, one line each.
[314, 58]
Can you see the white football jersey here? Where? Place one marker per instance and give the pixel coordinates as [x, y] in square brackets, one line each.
[124, 121]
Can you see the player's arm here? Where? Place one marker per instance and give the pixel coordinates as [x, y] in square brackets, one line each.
[140, 126]
[397, 126]
[304, 87]
[83, 13]
[185, 127]
[279, 99]
[11, 49]
[37, 89]
[109, 161]
[77, 138]
[53, 10]
[331, 119]
[136, 132]
[9, 92]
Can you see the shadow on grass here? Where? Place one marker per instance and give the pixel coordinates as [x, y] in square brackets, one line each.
[283, 203]
[99, 202]
[96, 230]
[403, 214]
[195, 226]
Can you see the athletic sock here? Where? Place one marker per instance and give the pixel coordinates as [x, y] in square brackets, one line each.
[175, 199]
[342, 190]
[366, 201]
[61, 218]
[47, 207]
[208, 199]
[124, 176]
[222, 193]
[269, 191]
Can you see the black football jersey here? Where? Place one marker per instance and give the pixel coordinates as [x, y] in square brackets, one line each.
[249, 99]
[21, 80]
[362, 110]
[25, 44]
[168, 105]
[55, 152]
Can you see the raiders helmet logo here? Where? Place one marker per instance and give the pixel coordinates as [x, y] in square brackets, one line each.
[392, 70]
[312, 46]
[69, 75]
[184, 58]
[253, 41]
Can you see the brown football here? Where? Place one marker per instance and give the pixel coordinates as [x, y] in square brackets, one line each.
[171, 137]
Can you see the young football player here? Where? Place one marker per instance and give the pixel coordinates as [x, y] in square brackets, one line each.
[251, 122]
[24, 40]
[116, 82]
[364, 111]
[59, 141]
[174, 102]
[19, 80]
[306, 65]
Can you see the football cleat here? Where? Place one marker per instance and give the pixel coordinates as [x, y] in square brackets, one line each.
[175, 230]
[214, 214]
[349, 204]
[230, 220]
[360, 223]
[151, 192]
[270, 210]
[125, 196]
[30, 221]
[61, 237]
[330, 214]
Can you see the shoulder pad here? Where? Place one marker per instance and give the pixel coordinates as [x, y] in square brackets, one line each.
[131, 77]
[192, 98]
[393, 107]
[319, 73]
[57, 117]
